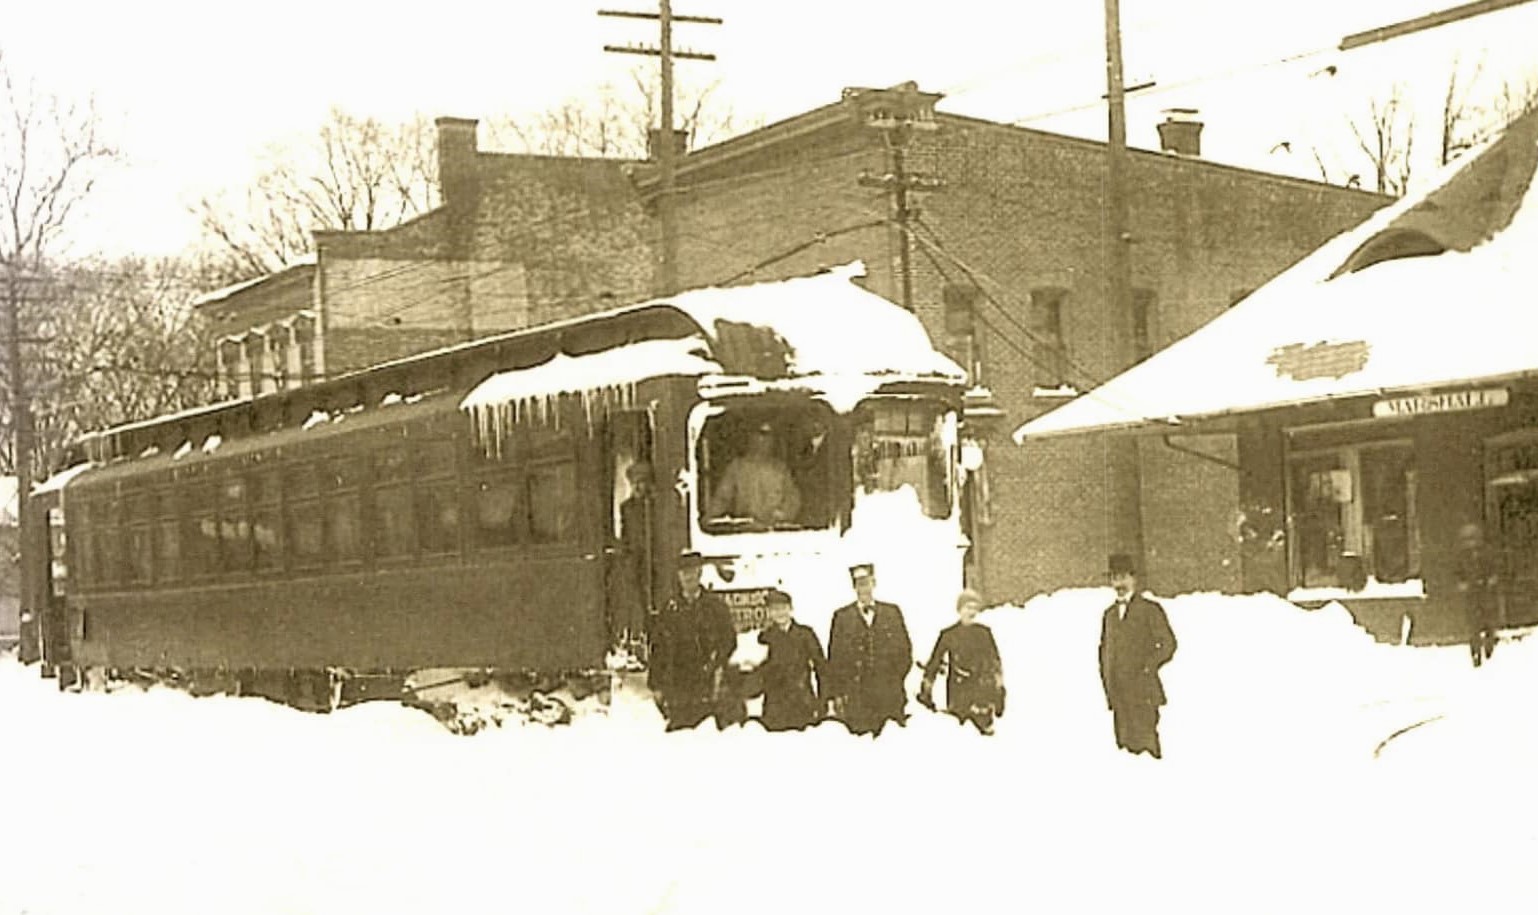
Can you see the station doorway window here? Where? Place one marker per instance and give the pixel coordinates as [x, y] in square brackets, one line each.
[1352, 515]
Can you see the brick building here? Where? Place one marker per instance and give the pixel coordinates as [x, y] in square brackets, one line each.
[1373, 425]
[1004, 266]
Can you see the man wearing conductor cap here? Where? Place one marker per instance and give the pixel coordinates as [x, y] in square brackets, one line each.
[1135, 641]
[869, 654]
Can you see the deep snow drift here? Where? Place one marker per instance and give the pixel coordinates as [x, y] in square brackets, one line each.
[1270, 799]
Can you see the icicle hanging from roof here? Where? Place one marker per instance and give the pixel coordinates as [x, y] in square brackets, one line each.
[604, 381]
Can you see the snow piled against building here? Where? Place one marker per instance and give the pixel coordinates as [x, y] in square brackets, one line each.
[1270, 798]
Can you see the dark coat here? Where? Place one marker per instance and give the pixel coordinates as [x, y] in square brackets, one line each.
[791, 697]
[691, 641]
[867, 665]
[1131, 652]
[1477, 574]
[974, 677]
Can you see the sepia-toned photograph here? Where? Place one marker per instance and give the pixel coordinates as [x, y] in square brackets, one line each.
[759, 458]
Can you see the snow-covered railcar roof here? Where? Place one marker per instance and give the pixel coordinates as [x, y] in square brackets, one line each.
[1436, 290]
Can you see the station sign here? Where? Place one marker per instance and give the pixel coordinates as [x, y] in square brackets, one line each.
[1446, 402]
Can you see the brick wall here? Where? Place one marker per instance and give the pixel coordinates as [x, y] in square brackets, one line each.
[1021, 209]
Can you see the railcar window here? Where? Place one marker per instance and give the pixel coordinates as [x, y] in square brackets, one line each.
[83, 539]
[437, 501]
[265, 520]
[495, 499]
[303, 523]
[109, 543]
[901, 443]
[395, 533]
[167, 534]
[141, 512]
[202, 542]
[344, 519]
[551, 501]
[767, 469]
[235, 554]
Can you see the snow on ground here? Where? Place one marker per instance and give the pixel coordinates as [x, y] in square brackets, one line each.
[1270, 798]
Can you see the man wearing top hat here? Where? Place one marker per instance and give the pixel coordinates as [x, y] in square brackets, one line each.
[1135, 641]
[869, 654]
[692, 638]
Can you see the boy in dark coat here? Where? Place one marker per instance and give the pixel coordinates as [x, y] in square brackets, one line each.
[1476, 573]
[974, 681]
[1135, 641]
[692, 639]
[869, 654]
[791, 697]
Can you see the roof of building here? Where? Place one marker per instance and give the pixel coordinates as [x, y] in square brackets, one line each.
[303, 264]
[1433, 291]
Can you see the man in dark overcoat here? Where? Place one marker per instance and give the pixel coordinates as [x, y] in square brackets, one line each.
[792, 671]
[1135, 641]
[869, 654]
[692, 639]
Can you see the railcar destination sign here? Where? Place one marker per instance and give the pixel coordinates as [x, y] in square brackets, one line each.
[1448, 402]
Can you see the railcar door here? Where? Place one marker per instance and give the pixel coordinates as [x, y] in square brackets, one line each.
[630, 564]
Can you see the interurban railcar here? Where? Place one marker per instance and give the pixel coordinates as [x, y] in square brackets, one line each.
[484, 506]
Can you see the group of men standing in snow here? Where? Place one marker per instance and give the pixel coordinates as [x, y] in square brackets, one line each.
[860, 681]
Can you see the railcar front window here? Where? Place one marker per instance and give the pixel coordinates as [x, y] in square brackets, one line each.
[902, 443]
[766, 469]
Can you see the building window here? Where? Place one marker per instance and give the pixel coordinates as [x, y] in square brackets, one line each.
[1143, 305]
[1352, 515]
[1045, 322]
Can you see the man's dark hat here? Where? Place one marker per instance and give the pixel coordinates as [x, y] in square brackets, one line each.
[862, 570]
[776, 598]
[689, 559]
[1120, 564]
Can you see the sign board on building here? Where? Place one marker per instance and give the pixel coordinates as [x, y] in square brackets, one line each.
[1446, 402]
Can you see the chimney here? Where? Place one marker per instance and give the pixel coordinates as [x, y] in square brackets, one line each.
[457, 174]
[1180, 132]
[654, 143]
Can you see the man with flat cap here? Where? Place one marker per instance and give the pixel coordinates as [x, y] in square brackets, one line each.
[869, 654]
[1135, 641]
[692, 639]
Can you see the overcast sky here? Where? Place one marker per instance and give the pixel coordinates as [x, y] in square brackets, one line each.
[195, 91]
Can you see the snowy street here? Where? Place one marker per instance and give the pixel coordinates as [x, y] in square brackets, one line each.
[1270, 798]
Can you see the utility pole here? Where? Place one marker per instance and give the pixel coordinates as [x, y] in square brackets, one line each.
[1124, 523]
[666, 148]
[898, 113]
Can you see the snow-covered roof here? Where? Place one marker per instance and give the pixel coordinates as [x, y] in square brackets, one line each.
[612, 368]
[62, 478]
[829, 325]
[1435, 290]
[219, 295]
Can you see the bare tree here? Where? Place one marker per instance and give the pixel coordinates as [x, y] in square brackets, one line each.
[119, 342]
[1387, 139]
[615, 122]
[1460, 121]
[51, 155]
[359, 174]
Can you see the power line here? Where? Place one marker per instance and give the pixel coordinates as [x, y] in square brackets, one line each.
[815, 239]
